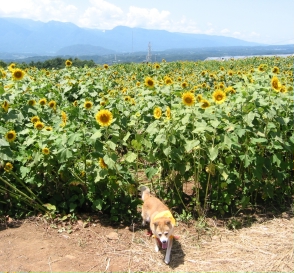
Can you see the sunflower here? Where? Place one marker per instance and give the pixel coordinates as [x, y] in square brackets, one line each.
[156, 66]
[8, 167]
[35, 119]
[157, 112]
[168, 112]
[104, 117]
[45, 151]
[184, 85]
[88, 104]
[275, 83]
[52, 104]
[168, 81]
[127, 98]
[68, 63]
[3, 74]
[138, 84]
[11, 67]
[203, 85]
[199, 97]
[18, 74]
[10, 136]
[5, 106]
[230, 90]
[149, 82]
[188, 98]
[48, 128]
[63, 116]
[39, 125]
[221, 85]
[75, 103]
[105, 66]
[210, 169]
[261, 67]
[219, 96]
[31, 102]
[204, 104]
[276, 70]
[283, 89]
[102, 164]
[230, 73]
[42, 101]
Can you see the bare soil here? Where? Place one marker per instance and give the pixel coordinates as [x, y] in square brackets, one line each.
[35, 244]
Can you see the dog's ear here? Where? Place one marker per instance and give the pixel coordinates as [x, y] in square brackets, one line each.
[167, 222]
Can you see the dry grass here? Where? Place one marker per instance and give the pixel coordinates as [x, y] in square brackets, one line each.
[265, 246]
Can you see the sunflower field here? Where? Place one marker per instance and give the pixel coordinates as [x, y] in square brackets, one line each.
[83, 139]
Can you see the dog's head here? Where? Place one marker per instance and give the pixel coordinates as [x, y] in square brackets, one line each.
[163, 230]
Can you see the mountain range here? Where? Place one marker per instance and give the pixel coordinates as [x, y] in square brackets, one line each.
[30, 38]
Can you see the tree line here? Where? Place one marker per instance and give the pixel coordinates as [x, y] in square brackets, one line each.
[56, 63]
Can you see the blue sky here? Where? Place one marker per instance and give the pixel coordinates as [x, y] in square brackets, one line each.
[262, 21]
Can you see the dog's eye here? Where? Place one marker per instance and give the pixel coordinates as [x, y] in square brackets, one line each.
[159, 234]
[166, 233]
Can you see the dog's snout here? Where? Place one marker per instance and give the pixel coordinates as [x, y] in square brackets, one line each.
[164, 241]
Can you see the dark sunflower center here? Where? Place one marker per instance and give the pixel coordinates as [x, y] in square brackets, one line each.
[18, 74]
[104, 118]
[188, 100]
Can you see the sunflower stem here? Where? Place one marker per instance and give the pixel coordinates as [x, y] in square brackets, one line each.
[27, 188]
[39, 206]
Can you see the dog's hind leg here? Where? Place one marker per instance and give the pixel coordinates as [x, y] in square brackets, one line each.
[168, 250]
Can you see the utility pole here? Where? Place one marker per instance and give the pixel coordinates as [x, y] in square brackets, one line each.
[149, 56]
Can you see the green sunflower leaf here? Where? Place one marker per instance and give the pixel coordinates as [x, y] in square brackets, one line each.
[213, 153]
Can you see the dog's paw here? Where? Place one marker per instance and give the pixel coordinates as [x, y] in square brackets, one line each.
[167, 260]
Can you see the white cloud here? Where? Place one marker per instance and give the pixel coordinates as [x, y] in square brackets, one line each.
[17, 7]
[210, 31]
[101, 15]
[225, 31]
[104, 15]
[150, 18]
[43, 10]
[254, 34]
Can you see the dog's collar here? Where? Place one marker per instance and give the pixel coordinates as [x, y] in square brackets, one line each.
[167, 214]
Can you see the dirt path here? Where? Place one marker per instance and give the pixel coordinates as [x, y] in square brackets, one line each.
[34, 245]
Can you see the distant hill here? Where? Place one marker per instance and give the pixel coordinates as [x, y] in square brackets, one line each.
[29, 38]
[170, 55]
[82, 50]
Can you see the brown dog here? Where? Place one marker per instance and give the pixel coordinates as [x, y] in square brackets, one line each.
[161, 221]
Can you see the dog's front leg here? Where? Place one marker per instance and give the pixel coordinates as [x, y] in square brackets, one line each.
[156, 244]
[168, 250]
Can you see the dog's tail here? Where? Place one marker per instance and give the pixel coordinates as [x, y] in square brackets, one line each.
[145, 192]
